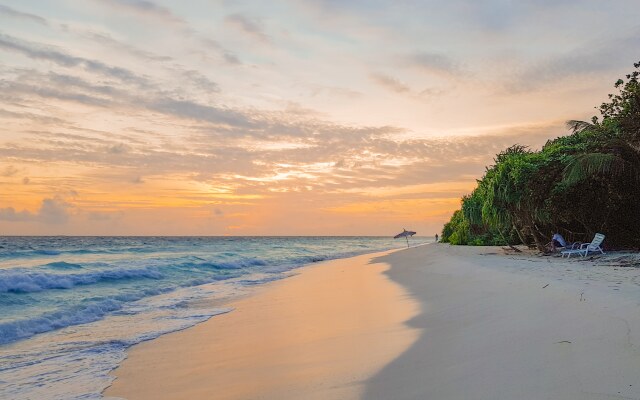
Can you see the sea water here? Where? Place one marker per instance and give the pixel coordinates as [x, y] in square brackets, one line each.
[71, 306]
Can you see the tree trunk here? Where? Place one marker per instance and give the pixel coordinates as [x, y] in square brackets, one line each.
[522, 239]
[517, 250]
[536, 240]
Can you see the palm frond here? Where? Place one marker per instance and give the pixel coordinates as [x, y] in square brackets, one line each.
[576, 126]
[583, 166]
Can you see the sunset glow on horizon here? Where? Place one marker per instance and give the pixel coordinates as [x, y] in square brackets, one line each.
[310, 117]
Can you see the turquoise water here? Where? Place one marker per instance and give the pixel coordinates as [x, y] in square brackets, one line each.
[71, 306]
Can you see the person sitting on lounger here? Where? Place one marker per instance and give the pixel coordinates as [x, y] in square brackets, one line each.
[557, 241]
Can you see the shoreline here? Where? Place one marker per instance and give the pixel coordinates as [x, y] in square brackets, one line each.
[469, 322]
[310, 312]
[150, 298]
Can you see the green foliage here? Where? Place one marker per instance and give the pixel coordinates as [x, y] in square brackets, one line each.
[579, 184]
[460, 231]
[623, 109]
[456, 231]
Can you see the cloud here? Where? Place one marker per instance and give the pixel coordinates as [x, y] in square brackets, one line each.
[192, 110]
[164, 16]
[144, 8]
[4, 10]
[599, 57]
[10, 214]
[397, 86]
[118, 148]
[390, 83]
[72, 88]
[54, 211]
[209, 44]
[250, 27]
[10, 43]
[104, 216]
[433, 62]
[106, 39]
[45, 119]
[252, 150]
[333, 157]
[29, 90]
[39, 52]
[9, 170]
[200, 81]
[334, 91]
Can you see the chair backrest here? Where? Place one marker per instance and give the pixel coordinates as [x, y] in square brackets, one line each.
[597, 241]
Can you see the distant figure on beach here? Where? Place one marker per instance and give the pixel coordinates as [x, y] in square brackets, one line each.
[436, 238]
[557, 241]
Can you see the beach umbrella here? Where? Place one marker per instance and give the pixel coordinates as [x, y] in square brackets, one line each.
[405, 234]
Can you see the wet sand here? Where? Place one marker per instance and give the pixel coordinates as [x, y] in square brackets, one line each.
[318, 335]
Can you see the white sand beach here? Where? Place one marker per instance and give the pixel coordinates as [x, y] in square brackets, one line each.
[430, 322]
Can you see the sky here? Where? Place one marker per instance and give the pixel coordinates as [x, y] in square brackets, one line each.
[288, 117]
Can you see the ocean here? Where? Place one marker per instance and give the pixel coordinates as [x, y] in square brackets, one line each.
[71, 306]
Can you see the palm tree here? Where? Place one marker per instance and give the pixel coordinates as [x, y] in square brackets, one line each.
[616, 157]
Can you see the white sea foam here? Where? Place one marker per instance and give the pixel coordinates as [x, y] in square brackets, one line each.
[24, 281]
[74, 362]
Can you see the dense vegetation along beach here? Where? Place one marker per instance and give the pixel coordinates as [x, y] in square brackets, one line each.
[577, 185]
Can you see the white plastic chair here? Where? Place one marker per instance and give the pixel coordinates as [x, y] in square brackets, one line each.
[585, 248]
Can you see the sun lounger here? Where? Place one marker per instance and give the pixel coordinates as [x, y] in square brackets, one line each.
[569, 246]
[585, 248]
